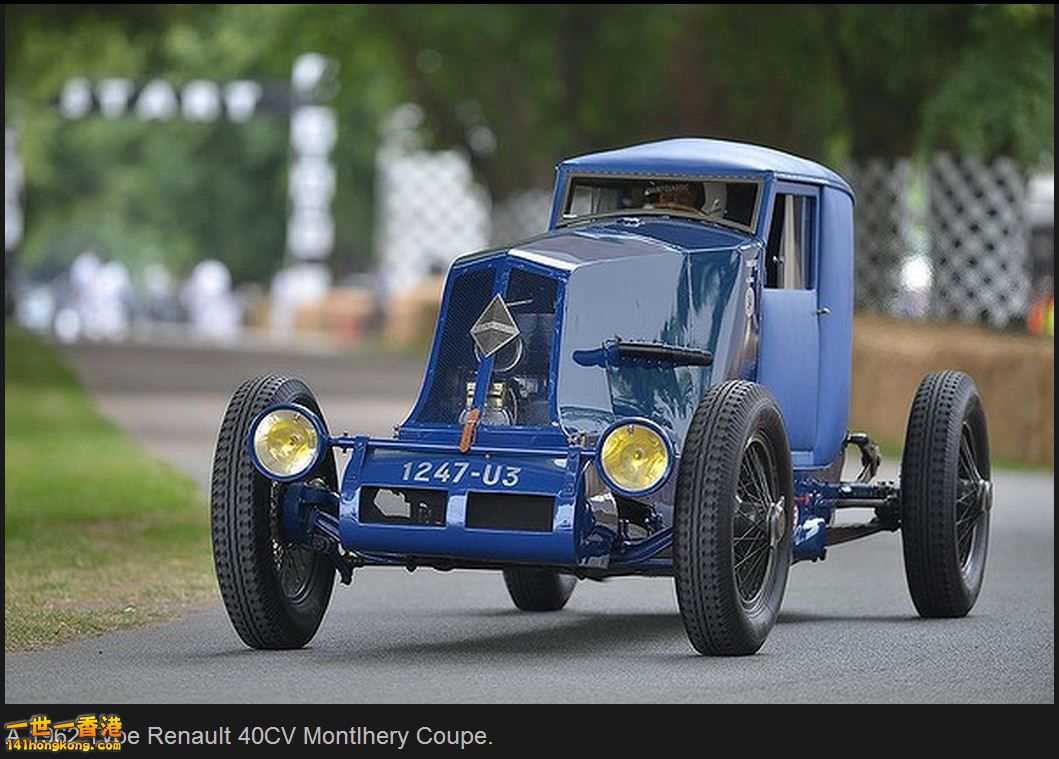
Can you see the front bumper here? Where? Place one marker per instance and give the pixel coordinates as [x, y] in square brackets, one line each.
[573, 540]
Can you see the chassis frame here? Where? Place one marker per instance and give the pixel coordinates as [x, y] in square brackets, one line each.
[309, 517]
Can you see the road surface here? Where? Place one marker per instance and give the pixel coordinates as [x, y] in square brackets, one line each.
[848, 631]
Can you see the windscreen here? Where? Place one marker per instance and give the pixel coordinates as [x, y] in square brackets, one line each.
[729, 202]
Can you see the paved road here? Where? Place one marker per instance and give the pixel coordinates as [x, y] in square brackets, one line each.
[848, 631]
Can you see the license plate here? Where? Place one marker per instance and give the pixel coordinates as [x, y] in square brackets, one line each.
[457, 472]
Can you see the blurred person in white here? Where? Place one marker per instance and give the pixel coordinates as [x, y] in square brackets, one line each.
[100, 297]
[214, 312]
[69, 323]
[107, 314]
[292, 289]
[159, 297]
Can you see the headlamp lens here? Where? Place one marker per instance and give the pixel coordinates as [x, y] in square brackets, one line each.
[286, 443]
[634, 457]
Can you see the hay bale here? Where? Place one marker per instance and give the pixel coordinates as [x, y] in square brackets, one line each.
[344, 314]
[1014, 374]
[411, 316]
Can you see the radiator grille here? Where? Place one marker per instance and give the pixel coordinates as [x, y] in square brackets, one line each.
[531, 298]
[456, 363]
[522, 367]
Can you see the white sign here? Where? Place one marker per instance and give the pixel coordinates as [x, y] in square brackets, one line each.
[12, 190]
[308, 72]
[312, 182]
[313, 135]
[158, 101]
[313, 130]
[75, 102]
[201, 101]
[310, 233]
[242, 98]
[113, 96]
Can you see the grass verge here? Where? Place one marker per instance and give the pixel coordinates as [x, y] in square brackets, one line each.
[98, 535]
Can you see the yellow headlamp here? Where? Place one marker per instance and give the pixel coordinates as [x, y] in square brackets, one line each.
[286, 442]
[635, 457]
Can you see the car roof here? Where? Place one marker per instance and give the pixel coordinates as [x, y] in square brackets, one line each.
[703, 157]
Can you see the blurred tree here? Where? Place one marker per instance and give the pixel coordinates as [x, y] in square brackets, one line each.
[998, 97]
[826, 81]
[519, 87]
[978, 79]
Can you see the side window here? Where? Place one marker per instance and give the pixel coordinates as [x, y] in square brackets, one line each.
[788, 256]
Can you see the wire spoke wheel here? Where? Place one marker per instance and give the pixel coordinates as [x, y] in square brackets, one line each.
[294, 564]
[733, 531]
[275, 591]
[946, 495]
[752, 529]
[972, 490]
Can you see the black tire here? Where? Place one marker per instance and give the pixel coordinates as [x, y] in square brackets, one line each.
[275, 593]
[946, 495]
[725, 525]
[539, 589]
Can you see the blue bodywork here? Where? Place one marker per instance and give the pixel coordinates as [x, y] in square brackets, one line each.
[655, 279]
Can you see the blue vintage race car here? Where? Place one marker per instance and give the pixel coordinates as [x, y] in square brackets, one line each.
[658, 385]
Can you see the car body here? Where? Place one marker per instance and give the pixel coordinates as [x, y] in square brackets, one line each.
[657, 280]
[619, 320]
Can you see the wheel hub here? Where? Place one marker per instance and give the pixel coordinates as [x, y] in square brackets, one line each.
[777, 524]
[985, 495]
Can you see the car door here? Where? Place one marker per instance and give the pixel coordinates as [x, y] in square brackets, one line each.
[788, 359]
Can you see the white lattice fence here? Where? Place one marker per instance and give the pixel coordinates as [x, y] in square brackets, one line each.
[978, 241]
[429, 208]
[948, 240]
[522, 215]
[431, 212]
[882, 224]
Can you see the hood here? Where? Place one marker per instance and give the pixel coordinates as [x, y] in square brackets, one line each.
[653, 280]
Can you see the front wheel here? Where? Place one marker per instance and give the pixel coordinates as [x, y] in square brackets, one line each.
[733, 526]
[946, 495]
[276, 592]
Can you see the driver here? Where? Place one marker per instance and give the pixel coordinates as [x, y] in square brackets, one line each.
[679, 196]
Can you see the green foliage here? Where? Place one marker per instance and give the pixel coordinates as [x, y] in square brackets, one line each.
[134, 192]
[98, 535]
[826, 81]
[999, 98]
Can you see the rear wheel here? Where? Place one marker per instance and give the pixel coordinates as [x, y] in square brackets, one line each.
[276, 592]
[946, 495]
[733, 525]
[539, 589]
